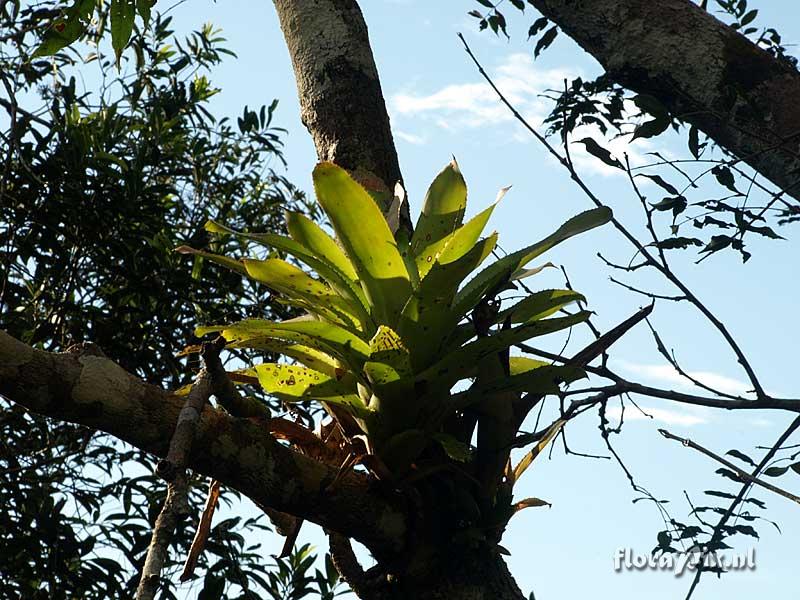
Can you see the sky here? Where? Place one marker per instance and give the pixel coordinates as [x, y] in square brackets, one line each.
[440, 107]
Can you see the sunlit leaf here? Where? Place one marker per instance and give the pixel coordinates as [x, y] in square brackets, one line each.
[367, 240]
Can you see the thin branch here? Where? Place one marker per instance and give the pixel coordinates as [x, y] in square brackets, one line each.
[741, 473]
[175, 508]
[716, 536]
[623, 385]
[651, 295]
[172, 469]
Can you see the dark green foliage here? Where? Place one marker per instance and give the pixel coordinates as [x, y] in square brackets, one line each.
[96, 189]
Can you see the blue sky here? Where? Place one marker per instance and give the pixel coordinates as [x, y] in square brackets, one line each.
[440, 107]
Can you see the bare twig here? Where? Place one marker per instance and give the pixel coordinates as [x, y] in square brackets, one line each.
[172, 469]
[716, 536]
[741, 473]
[175, 508]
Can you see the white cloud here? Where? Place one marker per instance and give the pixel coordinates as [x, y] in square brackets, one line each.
[662, 415]
[667, 374]
[473, 105]
[411, 138]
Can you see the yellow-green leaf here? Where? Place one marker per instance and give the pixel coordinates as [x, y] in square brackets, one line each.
[311, 358]
[343, 281]
[523, 364]
[442, 213]
[233, 265]
[537, 449]
[496, 274]
[540, 305]
[463, 239]
[296, 284]
[319, 335]
[367, 240]
[304, 231]
[428, 319]
[295, 384]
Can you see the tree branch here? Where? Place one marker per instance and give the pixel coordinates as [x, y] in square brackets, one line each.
[96, 392]
[701, 70]
[740, 472]
[341, 102]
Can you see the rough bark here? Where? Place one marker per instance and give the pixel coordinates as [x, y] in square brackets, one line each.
[703, 71]
[94, 391]
[470, 575]
[341, 102]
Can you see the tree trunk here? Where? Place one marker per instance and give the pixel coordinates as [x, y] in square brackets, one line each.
[470, 575]
[341, 102]
[703, 71]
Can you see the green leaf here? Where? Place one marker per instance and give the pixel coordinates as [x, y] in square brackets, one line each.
[741, 456]
[366, 239]
[122, 13]
[748, 17]
[62, 32]
[297, 285]
[725, 177]
[498, 273]
[463, 239]
[657, 179]
[537, 26]
[539, 380]
[304, 231]
[545, 41]
[428, 318]
[454, 448]
[325, 337]
[677, 205]
[326, 266]
[596, 150]
[650, 105]
[295, 384]
[651, 128]
[144, 7]
[229, 263]
[678, 242]
[775, 471]
[540, 305]
[460, 363]
[694, 142]
[441, 215]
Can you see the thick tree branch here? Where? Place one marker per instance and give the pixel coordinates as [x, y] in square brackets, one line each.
[700, 69]
[96, 392]
[341, 102]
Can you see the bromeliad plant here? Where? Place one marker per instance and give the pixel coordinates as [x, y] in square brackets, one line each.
[394, 322]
